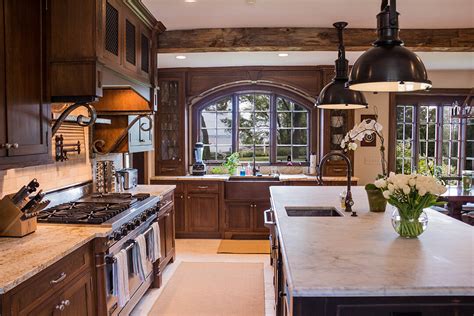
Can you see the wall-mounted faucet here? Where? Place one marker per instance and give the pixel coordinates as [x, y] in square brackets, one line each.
[348, 201]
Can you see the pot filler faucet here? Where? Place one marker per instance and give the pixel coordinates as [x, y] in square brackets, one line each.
[348, 202]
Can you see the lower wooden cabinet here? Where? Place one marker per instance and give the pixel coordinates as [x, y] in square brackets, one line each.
[203, 212]
[245, 219]
[65, 288]
[166, 222]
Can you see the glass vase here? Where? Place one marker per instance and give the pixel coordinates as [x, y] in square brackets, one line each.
[409, 227]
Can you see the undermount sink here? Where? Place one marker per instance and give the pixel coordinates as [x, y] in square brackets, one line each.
[313, 211]
[255, 178]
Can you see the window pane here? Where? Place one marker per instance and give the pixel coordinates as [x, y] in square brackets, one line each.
[245, 119]
[262, 136]
[283, 153]
[224, 120]
[246, 153]
[300, 119]
[284, 136]
[262, 102]
[208, 120]
[284, 105]
[262, 119]
[209, 153]
[300, 137]
[224, 105]
[246, 102]
[284, 120]
[246, 136]
[224, 137]
[409, 114]
[262, 153]
[208, 136]
[300, 153]
[224, 151]
[400, 113]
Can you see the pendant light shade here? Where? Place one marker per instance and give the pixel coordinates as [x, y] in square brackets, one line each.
[388, 66]
[335, 95]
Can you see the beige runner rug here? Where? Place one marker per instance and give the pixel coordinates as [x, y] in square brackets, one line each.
[244, 246]
[213, 289]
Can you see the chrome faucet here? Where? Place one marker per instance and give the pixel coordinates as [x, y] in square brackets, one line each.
[348, 201]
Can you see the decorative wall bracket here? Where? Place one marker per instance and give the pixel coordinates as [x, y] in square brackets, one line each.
[81, 119]
[99, 144]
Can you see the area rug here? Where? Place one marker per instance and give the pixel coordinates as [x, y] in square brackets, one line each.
[244, 246]
[213, 288]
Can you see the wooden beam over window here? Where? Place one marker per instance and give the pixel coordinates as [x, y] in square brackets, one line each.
[307, 39]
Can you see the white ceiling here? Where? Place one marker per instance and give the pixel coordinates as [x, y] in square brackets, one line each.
[432, 60]
[178, 14]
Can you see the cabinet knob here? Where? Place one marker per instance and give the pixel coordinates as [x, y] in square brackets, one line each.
[7, 146]
[66, 303]
[15, 145]
[181, 197]
[60, 307]
[189, 197]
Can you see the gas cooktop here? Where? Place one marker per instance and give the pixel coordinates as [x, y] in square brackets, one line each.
[97, 208]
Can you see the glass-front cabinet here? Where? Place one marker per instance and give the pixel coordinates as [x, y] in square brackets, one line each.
[171, 138]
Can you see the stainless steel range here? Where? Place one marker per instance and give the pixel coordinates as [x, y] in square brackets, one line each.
[129, 216]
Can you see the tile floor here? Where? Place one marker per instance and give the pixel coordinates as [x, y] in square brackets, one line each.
[205, 250]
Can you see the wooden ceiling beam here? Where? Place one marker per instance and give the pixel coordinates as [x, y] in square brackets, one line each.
[307, 39]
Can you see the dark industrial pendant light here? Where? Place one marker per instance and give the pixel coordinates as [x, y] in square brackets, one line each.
[388, 66]
[335, 95]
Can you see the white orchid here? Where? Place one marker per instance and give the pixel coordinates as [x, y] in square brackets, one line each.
[360, 132]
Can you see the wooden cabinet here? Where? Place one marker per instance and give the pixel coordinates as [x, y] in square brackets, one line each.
[171, 132]
[115, 38]
[166, 222]
[203, 212]
[65, 288]
[198, 207]
[24, 111]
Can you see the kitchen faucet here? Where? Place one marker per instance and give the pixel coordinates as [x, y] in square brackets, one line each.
[348, 201]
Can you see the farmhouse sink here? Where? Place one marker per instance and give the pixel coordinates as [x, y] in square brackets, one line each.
[313, 211]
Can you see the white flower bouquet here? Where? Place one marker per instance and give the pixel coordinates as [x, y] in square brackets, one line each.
[410, 194]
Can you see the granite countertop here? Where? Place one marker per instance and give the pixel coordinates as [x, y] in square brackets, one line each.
[22, 258]
[364, 256]
[225, 177]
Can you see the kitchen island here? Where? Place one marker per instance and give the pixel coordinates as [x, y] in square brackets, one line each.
[343, 265]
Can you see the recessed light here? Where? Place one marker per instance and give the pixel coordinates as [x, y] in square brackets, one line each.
[189, 1]
[283, 55]
[180, 57]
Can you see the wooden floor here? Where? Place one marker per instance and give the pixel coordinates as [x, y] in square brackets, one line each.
[205, 250]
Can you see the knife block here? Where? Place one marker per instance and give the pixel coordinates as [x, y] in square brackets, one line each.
[11, 223]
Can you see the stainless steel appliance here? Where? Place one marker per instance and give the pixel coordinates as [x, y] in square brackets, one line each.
[128, 216]
[199, 167]
[127, 178]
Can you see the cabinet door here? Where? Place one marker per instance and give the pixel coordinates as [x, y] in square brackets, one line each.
[3, 130]
[169, 231]
[130, 58]
[238, 216]
[203, 212]
[77, 297]
[180, 220]
[145, 53]
[259, 221]
[27, 115]
[49, 307]
[112, 45]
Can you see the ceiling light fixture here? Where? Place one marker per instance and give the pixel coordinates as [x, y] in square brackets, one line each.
[180, 57]
[335, 95]
[283, 55]
[388, 66]
[189, 1]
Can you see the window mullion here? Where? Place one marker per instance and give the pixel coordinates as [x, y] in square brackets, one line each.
[235, 123]
[416, 136]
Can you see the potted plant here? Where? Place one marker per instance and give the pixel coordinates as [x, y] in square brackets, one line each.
[369, 129]
[232, 163]
[410, 194]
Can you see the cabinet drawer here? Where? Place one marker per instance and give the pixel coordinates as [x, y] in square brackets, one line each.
[203, 188]
[179, 185]
[53, 278]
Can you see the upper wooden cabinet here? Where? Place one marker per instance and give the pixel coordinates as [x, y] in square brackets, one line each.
[24, 111]
[94, 40]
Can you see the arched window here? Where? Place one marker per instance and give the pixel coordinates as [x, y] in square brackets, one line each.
[273, 127]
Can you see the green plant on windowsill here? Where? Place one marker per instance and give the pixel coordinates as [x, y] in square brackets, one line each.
[232, 163]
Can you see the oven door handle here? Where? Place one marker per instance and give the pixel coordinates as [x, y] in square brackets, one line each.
[269, 223]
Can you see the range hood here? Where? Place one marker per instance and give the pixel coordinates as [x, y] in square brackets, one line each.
[123, 100]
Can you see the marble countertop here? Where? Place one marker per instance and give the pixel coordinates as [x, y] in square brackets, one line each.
[364, 256]
[225, 177]
[22, 258]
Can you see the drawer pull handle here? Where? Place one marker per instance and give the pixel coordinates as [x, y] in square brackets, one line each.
[60, 279]
[203, 187]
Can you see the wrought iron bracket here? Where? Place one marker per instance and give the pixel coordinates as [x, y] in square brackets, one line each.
[81, 119]
[98, 145]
